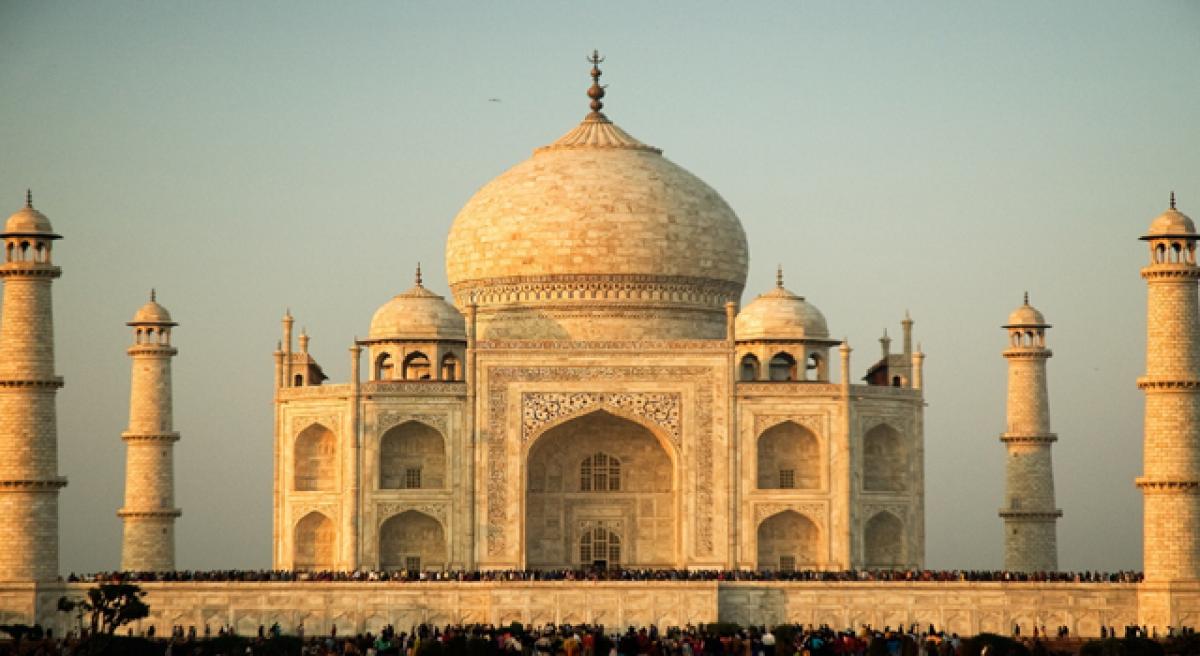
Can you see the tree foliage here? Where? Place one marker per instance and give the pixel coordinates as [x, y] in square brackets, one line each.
[109, 606]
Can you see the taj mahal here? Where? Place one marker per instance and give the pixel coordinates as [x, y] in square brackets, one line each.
[590, 394]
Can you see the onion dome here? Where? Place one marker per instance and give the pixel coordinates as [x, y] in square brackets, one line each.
[417, 315]
[1026, 316]
[28, 221]
[592, 233]
[780, 315]
[1171, 223]
[152, 313]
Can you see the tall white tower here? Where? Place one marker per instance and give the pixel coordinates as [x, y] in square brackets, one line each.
[29, 480]
[1030, 516]
[149, 513]
[1170, 483]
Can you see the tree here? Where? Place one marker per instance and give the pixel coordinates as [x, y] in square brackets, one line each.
[110, 605]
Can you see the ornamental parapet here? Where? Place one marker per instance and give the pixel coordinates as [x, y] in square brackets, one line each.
[589, 289]
[1167, 383]
[56, 483]
[53, 382]
[1028, 438]
[150, 437]
[152, 349]
[1150, 485]
[415, 388]
[29, 270]
[341, 390]
[631, 346]
[1171, 272]
[1033, 515]
[164, 513]
[1027, 353]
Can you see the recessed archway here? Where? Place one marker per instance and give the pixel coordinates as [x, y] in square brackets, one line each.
[412, 456]
[788, 458]
[885, 460]
[412, 540]
[883, 542]
[600, 470]
[314, 542]
[315, 460]
[787, 541]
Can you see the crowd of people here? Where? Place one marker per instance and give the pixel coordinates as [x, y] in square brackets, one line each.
[611, 574]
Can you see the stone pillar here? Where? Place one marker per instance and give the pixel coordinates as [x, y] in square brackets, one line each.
[149, 513]
[29, 480]
[1170, 482]
[352, 505]
[1030, 516]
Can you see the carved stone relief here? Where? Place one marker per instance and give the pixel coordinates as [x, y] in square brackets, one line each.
[814, 423]
[539, 409]
[392, 418]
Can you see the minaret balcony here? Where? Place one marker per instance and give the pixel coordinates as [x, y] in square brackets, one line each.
[29, 270]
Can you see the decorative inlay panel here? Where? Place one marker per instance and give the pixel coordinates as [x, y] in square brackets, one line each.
[815, 511]
[493, 433]
[299, 511]
[814, 423]
[392, 418]
[331, 421]
[384, 511]
[540, 409]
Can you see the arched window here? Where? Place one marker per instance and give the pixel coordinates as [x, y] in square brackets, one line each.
[883, 542]
[600, 547]
[786, 540]
[314, 543]
[815, 369]
[1160, 253]
[412, 456]
[885, 461]
[782, 367]
[750, 367]
[412, 540]
[315, 464]
[383, 367]
[600, 472]
[788, 458]
[897, 381]
[416, 367]
[298, 380]
[450, 367]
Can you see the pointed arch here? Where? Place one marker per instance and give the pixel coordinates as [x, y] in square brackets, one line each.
[883, 542]
[314, 541]
[416, 367]
[412, 455]
[788, 456]
[451, 370]
[782, 367]
[384, 366]
[315, 460]
[788, 540]
[885, 460]
[750, 367]
[412, 540]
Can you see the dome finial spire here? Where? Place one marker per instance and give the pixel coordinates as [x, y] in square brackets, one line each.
[779, 276]
[1172, 200]
[1026, 298]
[153, 295]
[29, 199]
[418, 274]
[596, 92]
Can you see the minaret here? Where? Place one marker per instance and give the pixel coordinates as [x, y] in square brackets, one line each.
[1030, 517]
[1170, 483]
[149, 513]
[29, 480]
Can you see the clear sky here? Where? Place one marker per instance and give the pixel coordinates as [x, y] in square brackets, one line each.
[936, 157]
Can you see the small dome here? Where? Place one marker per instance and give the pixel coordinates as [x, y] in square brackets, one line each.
[152, 312]
[1026, 316]
[418, 314]
[780, 314]
[1171, 223]
[28, 220]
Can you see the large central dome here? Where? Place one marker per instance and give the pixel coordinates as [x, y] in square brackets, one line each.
[597, 236]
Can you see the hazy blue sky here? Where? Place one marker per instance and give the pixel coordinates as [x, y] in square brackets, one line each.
[940, 157]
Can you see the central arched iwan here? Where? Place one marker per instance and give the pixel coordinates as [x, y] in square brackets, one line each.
[600, 469]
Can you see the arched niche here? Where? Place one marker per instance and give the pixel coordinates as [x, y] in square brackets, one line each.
[416, 366]
[883, 542]
[412, 540]
[315, 460]
[782, 367]
[412, 456]
[313, 545]
[885, 460]
[788, 540]
[750, 368]
[640, 507]
[788, 458]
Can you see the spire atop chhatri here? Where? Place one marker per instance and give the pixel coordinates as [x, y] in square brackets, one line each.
[418, 276]
[596, 92]
[153, 296]
[1026, 298]
[1172, 200]
[29, 199]
[779, 276]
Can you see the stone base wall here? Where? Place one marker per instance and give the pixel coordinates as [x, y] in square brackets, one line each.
[963, 608]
